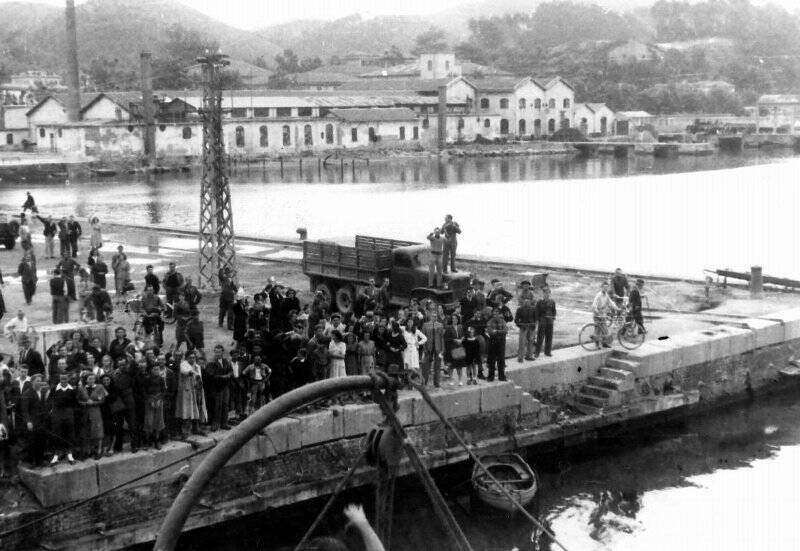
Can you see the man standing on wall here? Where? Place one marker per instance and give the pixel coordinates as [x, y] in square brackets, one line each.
[451, 230]
[435, 266]
[75, 231]
[546, 316]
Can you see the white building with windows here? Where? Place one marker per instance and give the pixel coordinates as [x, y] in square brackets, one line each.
[595, 119]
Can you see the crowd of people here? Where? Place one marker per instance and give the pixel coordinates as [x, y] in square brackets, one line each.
[86, 398]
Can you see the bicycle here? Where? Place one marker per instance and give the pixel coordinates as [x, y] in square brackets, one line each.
[630, 334]
[134, 306]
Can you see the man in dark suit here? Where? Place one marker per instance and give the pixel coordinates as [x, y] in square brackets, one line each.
[75, 231]
[30, 357]
[35, 419]
[434, 350]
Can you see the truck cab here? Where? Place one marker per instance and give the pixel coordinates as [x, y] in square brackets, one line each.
[409, 277]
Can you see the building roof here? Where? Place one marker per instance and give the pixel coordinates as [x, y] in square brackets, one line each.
[61, 98]
[311, 78]
[779, 98]
[397, 84]
[595, 107]
[123, 99]
[413, 69]
[390, 114]
[633, 114]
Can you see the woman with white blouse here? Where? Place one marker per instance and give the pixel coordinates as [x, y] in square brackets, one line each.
[414, 339]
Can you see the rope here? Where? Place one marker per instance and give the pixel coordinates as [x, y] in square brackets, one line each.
[473, 455]
[339, 488]
[439, 505]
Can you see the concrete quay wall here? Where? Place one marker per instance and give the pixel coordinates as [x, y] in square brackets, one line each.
[303, 456]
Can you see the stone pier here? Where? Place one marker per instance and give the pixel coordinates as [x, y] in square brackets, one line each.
[304, 456]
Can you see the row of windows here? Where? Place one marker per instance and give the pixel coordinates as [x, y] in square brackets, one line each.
[537, 103]
[241, 112]
[537, 125]
[308, 137]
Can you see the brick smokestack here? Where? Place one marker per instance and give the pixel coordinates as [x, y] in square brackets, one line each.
[73, 71]
[147, 109]
[441, 116]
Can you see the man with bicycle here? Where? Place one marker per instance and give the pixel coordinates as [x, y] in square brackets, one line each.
[152, 307]
[635, 303]
[602, 306]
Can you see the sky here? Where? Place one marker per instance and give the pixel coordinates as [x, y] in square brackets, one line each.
[253, 14]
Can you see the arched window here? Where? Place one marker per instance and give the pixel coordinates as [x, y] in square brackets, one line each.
[263, 136]
[9, 139]
[308, 137]
[484, 103]
[504, 103]
[402, 132]
[504, 126]
[42, 132]
[566, 103]
[551, 126]
[522, 127]
[354, 134]
[239, 136]
[446, 65]
[60, 134]
[537, 103]
[430, 65]
[287, 135]
[537, 127]
[522, 103]
[118, 113]
[425, 123]
[328, 133]
[487, 123]
[552, 103]
[461, 123]
[603, 126]
[187, 132]
[584, 125]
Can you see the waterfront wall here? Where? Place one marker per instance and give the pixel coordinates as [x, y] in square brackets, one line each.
[304, 456]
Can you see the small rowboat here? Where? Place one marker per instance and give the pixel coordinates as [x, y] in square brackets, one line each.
[513, 473]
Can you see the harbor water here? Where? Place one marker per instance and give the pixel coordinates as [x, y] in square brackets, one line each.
[726, 480]
[654, 216]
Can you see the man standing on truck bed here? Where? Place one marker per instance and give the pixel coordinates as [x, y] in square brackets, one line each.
[451, 230]
[437, 249]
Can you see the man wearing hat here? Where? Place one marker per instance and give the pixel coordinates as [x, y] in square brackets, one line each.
[526, 291]
[227, 296]
[498, 293]
[635, 303]
[451, 229]
[525, 319]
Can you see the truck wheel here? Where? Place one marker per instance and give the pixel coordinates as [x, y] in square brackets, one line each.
[10, 243]
[324, 287]
[345, 299]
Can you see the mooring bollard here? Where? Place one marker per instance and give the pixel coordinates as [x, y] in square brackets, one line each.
[756, 281]
[302, 233]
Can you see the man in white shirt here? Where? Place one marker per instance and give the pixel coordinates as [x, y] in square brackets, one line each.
[602, 306]
[16, 326]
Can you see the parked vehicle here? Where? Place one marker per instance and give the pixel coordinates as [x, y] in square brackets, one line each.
[9, 231]
[338, 270]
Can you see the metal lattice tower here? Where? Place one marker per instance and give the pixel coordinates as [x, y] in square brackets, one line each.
[216, 236]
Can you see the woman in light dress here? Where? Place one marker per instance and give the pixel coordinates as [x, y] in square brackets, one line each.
[337, 350]
[96, 238]
[414, 339]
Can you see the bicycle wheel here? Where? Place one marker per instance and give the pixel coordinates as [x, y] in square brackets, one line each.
[631, 335]
[587, 338]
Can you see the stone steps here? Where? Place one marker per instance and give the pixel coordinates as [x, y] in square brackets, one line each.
[599, 391]
[621, 364]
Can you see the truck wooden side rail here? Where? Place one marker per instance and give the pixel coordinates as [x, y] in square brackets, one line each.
[334, 261]
[380, 243]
